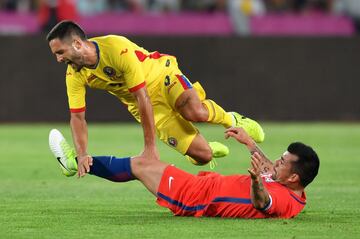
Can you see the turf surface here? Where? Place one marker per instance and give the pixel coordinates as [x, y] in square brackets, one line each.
[36, 201]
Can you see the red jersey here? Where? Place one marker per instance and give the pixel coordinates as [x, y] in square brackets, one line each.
[214, 195]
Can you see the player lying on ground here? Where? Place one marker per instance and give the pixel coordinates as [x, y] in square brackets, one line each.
[151, 86]
[271, 190]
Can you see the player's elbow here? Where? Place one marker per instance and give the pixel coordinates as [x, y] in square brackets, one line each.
[77, 121]
[77, 116]
[259, 205]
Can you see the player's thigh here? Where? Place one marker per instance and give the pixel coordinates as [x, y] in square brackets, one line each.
[149, 172]
[177, 86]
[176, 132]
[184, 194]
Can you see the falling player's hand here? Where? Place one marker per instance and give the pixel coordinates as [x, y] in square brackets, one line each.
[151, 153]
[84, 163]
[255, 163]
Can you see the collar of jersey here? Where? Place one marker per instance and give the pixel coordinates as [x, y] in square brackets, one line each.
[97, 53]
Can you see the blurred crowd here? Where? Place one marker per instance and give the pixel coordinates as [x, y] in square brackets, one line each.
[85, 7]
[51, 11]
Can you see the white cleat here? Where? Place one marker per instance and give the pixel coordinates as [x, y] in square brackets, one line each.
[63, 152]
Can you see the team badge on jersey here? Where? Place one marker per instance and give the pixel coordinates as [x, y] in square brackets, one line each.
[172, 141]
[109, 71]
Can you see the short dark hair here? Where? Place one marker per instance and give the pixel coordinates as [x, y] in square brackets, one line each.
[65, 29]
[307, 165]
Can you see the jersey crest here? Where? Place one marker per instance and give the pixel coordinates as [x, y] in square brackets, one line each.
[109, 71]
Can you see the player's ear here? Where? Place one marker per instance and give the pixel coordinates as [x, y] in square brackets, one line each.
[76, 43]
[294, 177]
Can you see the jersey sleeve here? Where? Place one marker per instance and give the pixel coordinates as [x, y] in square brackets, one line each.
[130, 65]
[75, 86]
[281, 204]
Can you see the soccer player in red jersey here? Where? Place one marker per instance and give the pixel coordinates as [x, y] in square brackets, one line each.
[271, 190]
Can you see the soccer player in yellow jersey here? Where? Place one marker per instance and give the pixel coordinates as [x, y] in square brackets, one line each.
[155, 91]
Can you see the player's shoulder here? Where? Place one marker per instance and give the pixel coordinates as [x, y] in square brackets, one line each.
[111, 40]
[73, 76]
[70, 72]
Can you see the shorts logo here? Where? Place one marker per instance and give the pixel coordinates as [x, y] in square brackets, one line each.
[167, 80]
[109, 71]
[172, 141]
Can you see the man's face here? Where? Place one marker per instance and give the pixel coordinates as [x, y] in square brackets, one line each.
[283, 168]
[67, 51]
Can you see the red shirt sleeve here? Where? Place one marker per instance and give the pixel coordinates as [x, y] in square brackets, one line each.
[283, 203]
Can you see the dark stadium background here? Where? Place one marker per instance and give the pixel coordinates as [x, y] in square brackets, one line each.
[273, 60]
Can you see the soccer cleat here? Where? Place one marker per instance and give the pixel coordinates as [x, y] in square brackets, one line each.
[252, 128]
[63, 152]
[218, 149]
[213, 164]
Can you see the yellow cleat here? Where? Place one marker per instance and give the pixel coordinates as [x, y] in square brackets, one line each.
[218, 149]
[252, 128]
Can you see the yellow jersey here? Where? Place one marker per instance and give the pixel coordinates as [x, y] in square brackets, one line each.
[122, 68]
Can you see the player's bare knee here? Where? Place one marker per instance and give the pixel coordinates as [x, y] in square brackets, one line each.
[195, 113]
[202, 156]
[207, 156]
[138, 165]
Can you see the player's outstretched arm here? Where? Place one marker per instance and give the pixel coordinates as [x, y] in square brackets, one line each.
[147, 122]
[80, 138]
[259, 195]
[266, 166]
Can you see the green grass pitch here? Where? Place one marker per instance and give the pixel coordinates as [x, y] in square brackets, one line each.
[36, 201]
